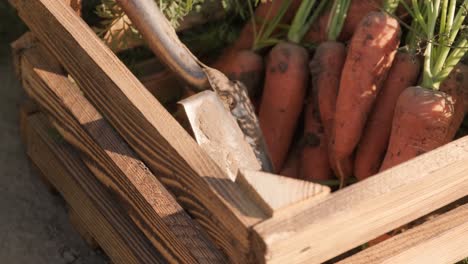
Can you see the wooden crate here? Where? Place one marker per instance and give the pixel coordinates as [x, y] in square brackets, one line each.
[158, 197]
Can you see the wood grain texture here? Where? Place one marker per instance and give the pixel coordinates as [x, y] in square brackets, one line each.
[352, 216]
[150, 205]
[27, 40]
[443, 239]
[122, 241]
[76, 5]
[27, 108]
[279, 192]
[81, 227]
[219, 205]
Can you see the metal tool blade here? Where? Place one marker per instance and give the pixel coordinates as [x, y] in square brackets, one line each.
[163, 41]
[217, 132]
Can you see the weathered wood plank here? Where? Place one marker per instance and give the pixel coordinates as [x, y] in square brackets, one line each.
[352, 216]
[82, 228]
[28, 107]
[217, 203]
[26, 41]
[443, 239]
[76, 5]
[122, 241]
[152, 208]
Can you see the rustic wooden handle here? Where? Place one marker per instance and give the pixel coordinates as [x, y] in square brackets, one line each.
[164, 42]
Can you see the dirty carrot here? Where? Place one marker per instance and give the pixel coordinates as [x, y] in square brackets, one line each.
[291, 167]
[283, 98]
[371, 150]
[456, 85]
[424, 116]
[314, 162]
[420, 124]
[286, 82]
[326, 67]
[240, 61]
[370, 55]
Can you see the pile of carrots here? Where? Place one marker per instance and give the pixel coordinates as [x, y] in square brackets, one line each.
[334, 82]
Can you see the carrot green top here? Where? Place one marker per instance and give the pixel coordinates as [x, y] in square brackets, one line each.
[337, 18]
[304, 19]
[264, 36]
[439, 25]
[340, 10]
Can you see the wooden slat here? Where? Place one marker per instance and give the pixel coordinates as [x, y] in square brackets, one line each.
[28, 107]
[352, 216]
[279, 192]
[152, 208]
[82, 228]
[443, 239]
[217, 203]
[26, 41]
[122, 241]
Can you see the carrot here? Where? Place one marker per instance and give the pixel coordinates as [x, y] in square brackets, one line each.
[420, 124]
[245, 66]
[285, 85]
[425, 119]
[370, 55]
[371, 150]
[240, 62]
[314, 161]
[326, 67]
[291, 166]
[456, 85]
[358, 9]
[283, 97]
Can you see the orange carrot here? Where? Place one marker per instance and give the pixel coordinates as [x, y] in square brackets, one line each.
[326, 67]
[283, 97]
[456, 85]
[420, 124]
[314, 161]
[371, 150]
[239, 61]
[245, 66]
[358, 9]
[368, 61]
[291, 166]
